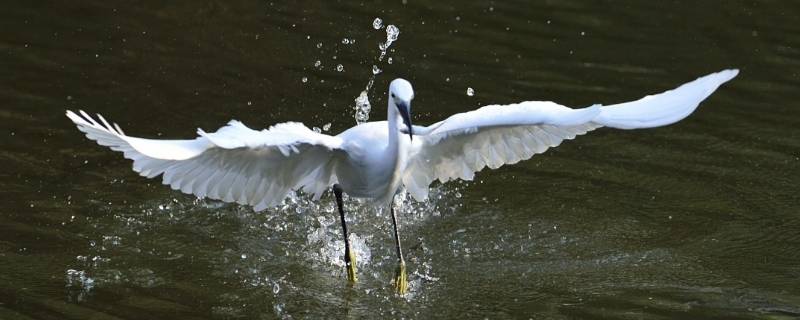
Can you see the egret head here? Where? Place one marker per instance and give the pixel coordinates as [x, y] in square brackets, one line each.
[400, 96]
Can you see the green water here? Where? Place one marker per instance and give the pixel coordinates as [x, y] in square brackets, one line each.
[696, 220]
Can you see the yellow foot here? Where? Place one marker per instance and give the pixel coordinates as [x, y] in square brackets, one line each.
[400, 279]
[350, 264]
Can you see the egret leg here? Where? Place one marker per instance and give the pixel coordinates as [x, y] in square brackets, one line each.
[400, 278]
[349, 257]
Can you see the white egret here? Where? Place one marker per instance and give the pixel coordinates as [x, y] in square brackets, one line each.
[373, 160]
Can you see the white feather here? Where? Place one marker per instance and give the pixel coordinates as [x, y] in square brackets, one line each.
[495, 135]
[230, 164]
[373, 160]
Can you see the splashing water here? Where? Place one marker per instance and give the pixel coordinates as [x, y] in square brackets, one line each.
[78, 284]
[261, 250]
[392, 32]
[362, 106]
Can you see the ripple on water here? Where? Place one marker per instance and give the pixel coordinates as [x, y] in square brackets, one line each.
[282, 254]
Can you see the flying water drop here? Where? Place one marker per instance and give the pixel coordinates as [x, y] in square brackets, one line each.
[362, 107]
[392, 32]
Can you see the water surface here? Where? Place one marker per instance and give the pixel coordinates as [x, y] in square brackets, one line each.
[695, 220]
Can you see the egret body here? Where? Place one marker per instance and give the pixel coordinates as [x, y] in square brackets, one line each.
[373, 160]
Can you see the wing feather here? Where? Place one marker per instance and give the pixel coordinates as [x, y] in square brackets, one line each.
[495, 135]
[234, 164]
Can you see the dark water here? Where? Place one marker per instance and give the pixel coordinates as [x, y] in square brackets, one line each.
[695, 220]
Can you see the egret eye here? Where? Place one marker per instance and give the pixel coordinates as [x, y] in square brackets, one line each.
[392, 95]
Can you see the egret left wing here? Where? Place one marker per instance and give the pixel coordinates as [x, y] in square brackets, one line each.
[491, 136]
[495, 135]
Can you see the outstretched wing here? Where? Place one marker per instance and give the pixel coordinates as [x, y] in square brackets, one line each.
[495, 135]
[234, 164]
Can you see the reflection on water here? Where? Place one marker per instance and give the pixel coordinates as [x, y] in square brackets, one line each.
[696, 220]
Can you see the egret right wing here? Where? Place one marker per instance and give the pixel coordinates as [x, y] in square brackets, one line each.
[495, 135]
[234, 164]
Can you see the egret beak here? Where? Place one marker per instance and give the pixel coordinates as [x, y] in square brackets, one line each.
[403, 108]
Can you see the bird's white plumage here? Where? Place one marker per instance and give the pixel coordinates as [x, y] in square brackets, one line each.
[372, 160]
[495, 135]
[234, 164]
[664, 108]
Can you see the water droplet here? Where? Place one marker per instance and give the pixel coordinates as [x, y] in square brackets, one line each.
[392, 33]
[304, 79]
[326, 126]
[377, 23]
[317, 130]
[470, 91]
[339, 68]
[375, 69]
[319, 45]
[249, 103]
[389, 61]
[317, 63]
[583, 33]
[362, 107]
[244, 256]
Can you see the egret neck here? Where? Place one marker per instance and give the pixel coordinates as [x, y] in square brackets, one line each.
[398, 111]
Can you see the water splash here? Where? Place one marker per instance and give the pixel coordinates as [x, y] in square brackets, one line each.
[362, 105]
[78, 285]
[262, 250]
[392, 33]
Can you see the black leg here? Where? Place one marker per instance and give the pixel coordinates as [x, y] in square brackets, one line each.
[396, 236]
[400, 279]
[349, 257]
